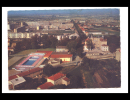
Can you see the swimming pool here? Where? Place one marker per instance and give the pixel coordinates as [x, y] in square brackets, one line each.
[29, 62]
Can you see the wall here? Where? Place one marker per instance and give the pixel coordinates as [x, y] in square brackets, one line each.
[61, 50]
[65, 59]
[104, 48]
[49, 80]
[65, 82]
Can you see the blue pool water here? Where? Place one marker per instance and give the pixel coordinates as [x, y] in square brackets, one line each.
[29, 62]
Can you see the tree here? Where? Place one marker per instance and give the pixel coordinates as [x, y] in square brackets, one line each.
[48, 70]
[89, 44]
[63, 42]
[18, 46]
[46, 41]
[112, 48]
[79, 51]
[34, 42]
[71, 44]
[26, 44]
[53, 41]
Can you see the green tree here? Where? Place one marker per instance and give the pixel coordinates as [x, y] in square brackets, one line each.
[71, 44]
[89, 44]
[54, 42]
[18, 46]
[46, 41]
[63, 42]
[34, 42]
[48, 70]
[112, 48]
[79, 51]
[26, 44]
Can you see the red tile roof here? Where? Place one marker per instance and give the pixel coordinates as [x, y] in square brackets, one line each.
[29, 71]
[56, 76]
[47, 53]
[46, 85]
[61, 55]
[12, 77]
[66, 79]
[104, 45]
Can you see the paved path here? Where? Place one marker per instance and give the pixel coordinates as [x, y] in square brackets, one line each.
[13, 60]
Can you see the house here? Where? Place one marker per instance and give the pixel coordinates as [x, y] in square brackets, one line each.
[61, 49]
[14, 82]
[104, 47]
[64, 57]
[58, 78]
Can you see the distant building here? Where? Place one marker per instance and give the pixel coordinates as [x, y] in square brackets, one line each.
[59, 37]
[61, 49]
[104, 47]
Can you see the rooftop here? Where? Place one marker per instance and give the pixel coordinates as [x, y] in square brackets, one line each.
[104, 45]
[56, 76]
[29, 71]
[47, 53]
[12, 77]
[18, 80]
[66, 79]
[61, 55]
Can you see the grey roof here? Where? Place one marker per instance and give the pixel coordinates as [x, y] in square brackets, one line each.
[17, 81]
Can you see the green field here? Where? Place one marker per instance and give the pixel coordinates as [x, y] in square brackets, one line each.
[108, 29]
[25, 52]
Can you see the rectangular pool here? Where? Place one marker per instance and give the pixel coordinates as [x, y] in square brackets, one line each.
[29, 62]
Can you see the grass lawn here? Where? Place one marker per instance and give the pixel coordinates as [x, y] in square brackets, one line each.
[107, 29]
[25, 52]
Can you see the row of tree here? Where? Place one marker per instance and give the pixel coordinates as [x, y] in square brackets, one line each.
[48, 42]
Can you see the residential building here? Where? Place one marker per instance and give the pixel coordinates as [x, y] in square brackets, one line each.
[104, 47]
[58, 78]
[61, 49]
[14, 82]
[64, 57]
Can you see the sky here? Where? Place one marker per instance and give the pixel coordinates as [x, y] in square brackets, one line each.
[66, 11]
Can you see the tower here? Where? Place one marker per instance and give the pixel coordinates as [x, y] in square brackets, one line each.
[21, 24]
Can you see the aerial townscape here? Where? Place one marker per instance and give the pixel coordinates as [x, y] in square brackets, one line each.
[64, 49]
